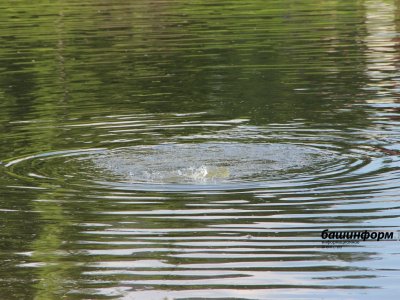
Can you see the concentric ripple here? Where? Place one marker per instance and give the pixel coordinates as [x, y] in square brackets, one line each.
[211, 162]
[182, 166]
[197, 149]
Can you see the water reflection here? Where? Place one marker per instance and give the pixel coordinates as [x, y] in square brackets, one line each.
[381, 41]
[383, 72]
[83, 82]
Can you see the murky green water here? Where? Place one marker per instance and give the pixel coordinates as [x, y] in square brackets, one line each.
[197, 149]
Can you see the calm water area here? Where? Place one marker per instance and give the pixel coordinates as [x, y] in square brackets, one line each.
[198, 149]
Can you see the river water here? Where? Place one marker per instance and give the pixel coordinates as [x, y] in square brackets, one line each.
[198, 149]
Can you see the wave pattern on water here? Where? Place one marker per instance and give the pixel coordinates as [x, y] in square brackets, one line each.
[260, 223]
[187, 150]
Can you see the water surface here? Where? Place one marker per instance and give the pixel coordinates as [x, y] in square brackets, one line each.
[187, 150]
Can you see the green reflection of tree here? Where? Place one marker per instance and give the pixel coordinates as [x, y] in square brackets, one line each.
[52, 270]
[267, 61]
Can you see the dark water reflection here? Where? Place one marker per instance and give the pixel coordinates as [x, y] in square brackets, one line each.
[81, 80]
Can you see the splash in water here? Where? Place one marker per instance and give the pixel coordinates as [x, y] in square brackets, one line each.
[209, 162]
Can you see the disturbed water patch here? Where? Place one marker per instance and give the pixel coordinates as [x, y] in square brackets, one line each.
[207, 162]
[184, 166]
[196, 163]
